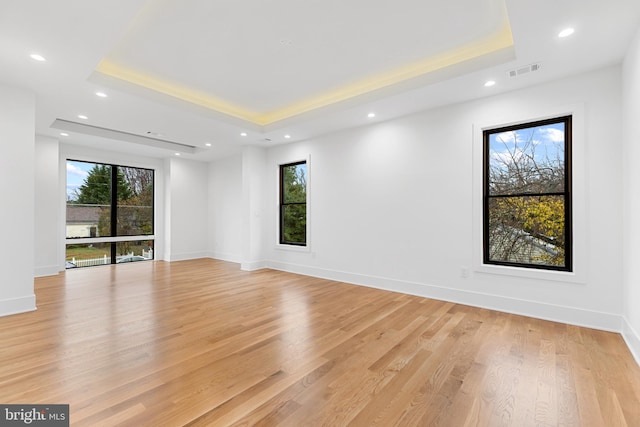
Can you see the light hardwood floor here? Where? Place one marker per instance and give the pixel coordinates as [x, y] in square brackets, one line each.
[201, 343]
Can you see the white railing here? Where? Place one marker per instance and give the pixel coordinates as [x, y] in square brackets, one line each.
[91, 262]
[105, 260]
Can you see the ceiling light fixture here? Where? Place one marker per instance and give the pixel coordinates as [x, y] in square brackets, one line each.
[287, 136]
[37, 57]
[243, 134]
[101, 94]
[566, 32]
[208, 144]
[371, 115]
[64, 134]
[489, 83]
[82, 116]
[177, 154]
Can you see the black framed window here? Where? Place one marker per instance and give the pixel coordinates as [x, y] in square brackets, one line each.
[293, 204]
[104, 202]
[527, 195]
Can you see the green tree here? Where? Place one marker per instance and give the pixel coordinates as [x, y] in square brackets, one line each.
[96, 189]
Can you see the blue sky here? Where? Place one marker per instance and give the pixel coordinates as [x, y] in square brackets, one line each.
[76, 174]
[547, 141]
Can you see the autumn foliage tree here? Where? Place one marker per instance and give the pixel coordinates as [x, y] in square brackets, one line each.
[135, 214]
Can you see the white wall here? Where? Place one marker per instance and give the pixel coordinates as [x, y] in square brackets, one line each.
[181, 199]
[187, 209]
[631, 155]
[48, 232]
[17, 124]
[254, 175]
[225, 206]
[392, 204]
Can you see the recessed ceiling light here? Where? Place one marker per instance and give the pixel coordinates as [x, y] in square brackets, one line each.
[208, 144]
[489, 83]
[82, 116]
[566, 32]
[371, 115]
[177, 154]
[243, 134]
[287, 136]
[37, 57]
[101, 94]
[64, 134]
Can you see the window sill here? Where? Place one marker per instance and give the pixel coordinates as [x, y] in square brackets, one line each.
[90, 240]
[292, 248]
[530, 273]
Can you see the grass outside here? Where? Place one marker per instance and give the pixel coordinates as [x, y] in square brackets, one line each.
[85, 252]
[100, 250]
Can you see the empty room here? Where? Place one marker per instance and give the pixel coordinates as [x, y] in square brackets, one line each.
[304, 213]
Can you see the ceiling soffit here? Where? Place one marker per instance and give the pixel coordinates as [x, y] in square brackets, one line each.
[188, 51]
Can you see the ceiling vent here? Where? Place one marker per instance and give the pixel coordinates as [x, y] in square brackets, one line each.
[524, 70]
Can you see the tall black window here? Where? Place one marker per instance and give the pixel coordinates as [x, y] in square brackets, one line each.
[109, 214]
[293, 204]
[527, 195]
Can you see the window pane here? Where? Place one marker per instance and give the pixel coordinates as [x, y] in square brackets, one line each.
[88, 255]
[135, 201]
[294, 224]
[134, 251]
[293, 208]
[294, 183]
[88, 200]
[95, 193]
[529, 160]
[529, 229]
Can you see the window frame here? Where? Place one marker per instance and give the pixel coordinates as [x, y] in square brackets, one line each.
[282, 204]
[566, 194]
[114, 238]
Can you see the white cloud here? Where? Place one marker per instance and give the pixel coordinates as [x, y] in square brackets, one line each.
[511, 137]
[75, 170]
[506, 137]
[552, 134]
[505, 157]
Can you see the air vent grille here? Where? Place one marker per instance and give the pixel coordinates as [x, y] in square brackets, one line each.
[524, 70]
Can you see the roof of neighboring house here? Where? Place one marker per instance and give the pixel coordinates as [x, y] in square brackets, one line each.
[84, 213]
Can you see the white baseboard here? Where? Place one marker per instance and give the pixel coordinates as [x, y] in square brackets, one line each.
[187, 256]
[50, 270]
[17, 305]
[253, 265]
[556, 313]
[225, 257]
[632, 338]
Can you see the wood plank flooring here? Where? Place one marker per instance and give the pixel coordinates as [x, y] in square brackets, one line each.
[201, 343]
